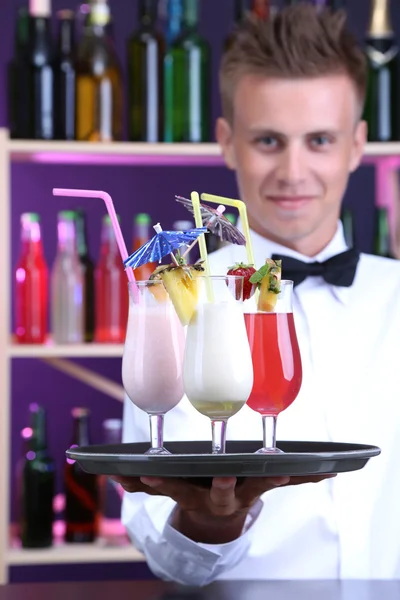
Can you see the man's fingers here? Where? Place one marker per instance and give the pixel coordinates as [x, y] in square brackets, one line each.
[297, 480]
[222, 496]
[254, 487]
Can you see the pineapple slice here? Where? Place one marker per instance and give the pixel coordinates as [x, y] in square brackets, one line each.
[180, 283]
[268, 279]
[159, 292]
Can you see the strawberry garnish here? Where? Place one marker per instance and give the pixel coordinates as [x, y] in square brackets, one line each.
[245, 271]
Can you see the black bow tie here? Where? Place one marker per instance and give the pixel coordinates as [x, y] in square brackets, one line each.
[339, 270]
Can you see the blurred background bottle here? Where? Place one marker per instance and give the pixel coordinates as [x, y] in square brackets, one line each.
[382, 242]
[142, 232]
[382, 100]
[82, 505]
[261, 8]
[240, 8]
[99, 87]
[38, 486]
[18, 79]
[31, 284]
[188, 60]
[88, 274]
[349, 230]
[111, 492]
[41, 59]
[64, 77]
[145, 50]
[173, 81]
[67, 285]
[111, 289]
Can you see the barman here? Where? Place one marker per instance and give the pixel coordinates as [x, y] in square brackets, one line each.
[292, 92]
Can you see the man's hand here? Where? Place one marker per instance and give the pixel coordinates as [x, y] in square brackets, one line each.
[213, 515]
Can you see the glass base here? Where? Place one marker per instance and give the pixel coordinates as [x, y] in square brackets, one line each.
[157, 451]
[269, 451]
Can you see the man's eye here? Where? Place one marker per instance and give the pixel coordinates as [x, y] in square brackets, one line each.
[321, 140]
[268, 141]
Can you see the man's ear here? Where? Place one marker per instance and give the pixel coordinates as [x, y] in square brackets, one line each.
[360, 140]
[223, 134]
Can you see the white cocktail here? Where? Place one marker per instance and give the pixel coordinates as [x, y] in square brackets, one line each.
[217, 366]
[153, 356]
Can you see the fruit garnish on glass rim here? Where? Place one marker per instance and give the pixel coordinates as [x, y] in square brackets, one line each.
[245, 271]
[180, 283]
[268, 281]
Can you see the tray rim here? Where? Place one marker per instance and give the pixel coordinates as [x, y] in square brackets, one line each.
[367, 451]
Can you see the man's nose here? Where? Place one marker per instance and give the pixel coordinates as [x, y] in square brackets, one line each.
[291, 167]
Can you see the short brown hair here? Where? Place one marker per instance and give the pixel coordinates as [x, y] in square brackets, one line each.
[298, 42]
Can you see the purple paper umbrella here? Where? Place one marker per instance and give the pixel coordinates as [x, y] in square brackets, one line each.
[214, 220]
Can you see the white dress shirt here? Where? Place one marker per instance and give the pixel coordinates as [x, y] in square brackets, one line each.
[348, 527]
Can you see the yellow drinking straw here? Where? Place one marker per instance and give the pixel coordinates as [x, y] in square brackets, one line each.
[243, 217]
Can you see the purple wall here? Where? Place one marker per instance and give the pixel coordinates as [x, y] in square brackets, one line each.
[133, 189]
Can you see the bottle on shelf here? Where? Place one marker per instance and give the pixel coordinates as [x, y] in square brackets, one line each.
[38, 486]
[111, 492]
[67, 285]
[241, 7]
[31, 284]
[99, 87]
[173, 88]
[88, 274]
[382, 98]
[173, 21]
[64, 77]
[111, 290]
[18, 79]
[82, 499]
[141, 234]
[41, 66]
[261, 8]
[382, 241]
[190, 59]
[145, 50]
[349, 229]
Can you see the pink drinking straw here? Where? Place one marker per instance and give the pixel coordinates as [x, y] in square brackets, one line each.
[114, 222]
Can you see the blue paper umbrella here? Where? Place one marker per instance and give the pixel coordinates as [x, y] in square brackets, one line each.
[163, 243]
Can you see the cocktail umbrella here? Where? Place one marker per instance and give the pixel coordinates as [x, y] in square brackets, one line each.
[214, 220]
[163, 243]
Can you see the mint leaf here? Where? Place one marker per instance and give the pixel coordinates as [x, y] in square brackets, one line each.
[259, 275]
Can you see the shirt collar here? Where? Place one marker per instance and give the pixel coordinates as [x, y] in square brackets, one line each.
[264, 248]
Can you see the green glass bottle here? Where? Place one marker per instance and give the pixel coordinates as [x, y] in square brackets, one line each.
[382, 244]
[38, 485]
[174, 66]
[190, 59]
[382, 100]
[145, 53]
[348, 223]
[18, 74]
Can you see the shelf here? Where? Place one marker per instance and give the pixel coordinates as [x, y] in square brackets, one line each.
[128, 153]
[114, 153]
[113, 546]
[65, 350]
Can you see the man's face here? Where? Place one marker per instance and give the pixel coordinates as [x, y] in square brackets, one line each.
[293, 144]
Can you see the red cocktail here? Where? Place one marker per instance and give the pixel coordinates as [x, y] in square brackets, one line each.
[276, 362]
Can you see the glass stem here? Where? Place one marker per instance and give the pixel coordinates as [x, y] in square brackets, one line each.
[156, 431]
[218, 436]
[269, 432]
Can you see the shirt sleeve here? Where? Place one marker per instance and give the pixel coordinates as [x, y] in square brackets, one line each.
[172, 556]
